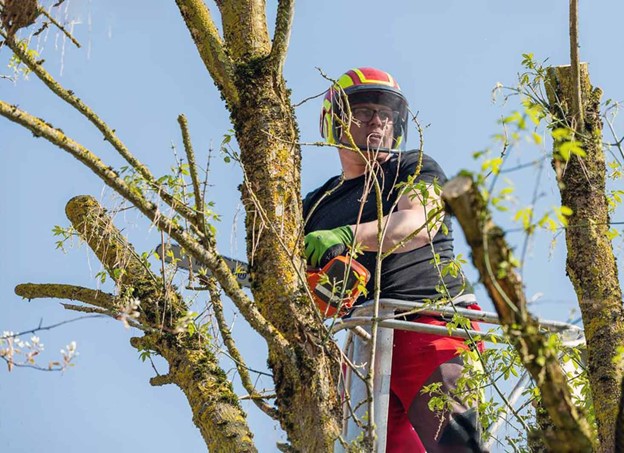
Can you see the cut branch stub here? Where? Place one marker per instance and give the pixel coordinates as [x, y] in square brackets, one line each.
[490, 253]
[562, 93]
[96, 228]
[68, 292]
[122, 263]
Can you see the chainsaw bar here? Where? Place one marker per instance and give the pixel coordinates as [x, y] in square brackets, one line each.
[240, 269]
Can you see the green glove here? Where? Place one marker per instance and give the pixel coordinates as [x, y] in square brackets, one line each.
[323, 245]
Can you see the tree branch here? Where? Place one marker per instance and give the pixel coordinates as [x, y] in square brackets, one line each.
[43, 11]
[68, 292]
[578, 110]
[210, 46]
[96, 228]
[108, 133]
[245, 29]
[190, 155]
[281, 37]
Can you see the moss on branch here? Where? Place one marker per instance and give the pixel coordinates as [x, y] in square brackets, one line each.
[245, 29]
[210, 46]
[68, 292]
[281, 37]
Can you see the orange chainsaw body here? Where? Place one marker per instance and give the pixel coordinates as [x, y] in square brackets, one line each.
[337, 285]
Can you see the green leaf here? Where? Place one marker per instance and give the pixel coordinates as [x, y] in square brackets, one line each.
[566, 149]
[492, 164]
[561, 134]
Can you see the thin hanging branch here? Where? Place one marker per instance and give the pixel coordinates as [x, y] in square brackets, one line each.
[215, 299]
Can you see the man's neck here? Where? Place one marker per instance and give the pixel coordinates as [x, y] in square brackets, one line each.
[354, 165]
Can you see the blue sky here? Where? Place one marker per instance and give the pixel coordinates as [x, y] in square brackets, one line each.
[139, 69]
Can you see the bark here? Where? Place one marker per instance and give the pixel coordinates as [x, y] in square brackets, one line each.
[267, 135]
[305, 372]
[493, 259]
[192, 366]
[590, 263]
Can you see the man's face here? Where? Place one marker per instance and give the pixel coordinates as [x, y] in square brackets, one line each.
[372, 126]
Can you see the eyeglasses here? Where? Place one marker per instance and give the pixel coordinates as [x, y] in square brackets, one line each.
[366, 114]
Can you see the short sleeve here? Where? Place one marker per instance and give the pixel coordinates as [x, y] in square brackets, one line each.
[429, 171]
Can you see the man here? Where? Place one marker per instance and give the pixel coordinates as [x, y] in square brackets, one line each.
[366, 116]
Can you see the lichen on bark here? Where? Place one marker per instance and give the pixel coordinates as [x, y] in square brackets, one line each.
[590, 263]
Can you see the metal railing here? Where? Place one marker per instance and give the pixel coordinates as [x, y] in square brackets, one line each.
[359, 352]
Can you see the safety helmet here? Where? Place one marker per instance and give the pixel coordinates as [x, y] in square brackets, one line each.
[363, 85]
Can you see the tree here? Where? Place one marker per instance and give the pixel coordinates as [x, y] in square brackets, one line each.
[249, 76]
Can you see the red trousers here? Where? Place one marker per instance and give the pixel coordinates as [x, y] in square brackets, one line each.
[415, 357]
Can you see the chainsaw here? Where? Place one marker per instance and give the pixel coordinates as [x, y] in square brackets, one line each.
[335, 287]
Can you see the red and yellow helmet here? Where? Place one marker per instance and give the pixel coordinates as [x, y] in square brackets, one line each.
[363, 85]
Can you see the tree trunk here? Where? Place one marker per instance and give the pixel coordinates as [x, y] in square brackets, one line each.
[590, 263]
[306, 375]
[247, 68]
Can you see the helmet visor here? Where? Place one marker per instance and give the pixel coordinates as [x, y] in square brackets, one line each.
[389, 98]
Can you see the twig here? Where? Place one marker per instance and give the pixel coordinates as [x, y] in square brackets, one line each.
[210, 46]
[59, 26]
[51, 326]
[530, 231]
[190, 156]
[215, 298]
[34, 367]
[309, 98]
[521, 166]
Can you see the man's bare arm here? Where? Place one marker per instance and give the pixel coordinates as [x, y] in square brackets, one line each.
[411, 214]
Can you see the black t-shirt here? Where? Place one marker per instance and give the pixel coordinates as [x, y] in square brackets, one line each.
[410, 276]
